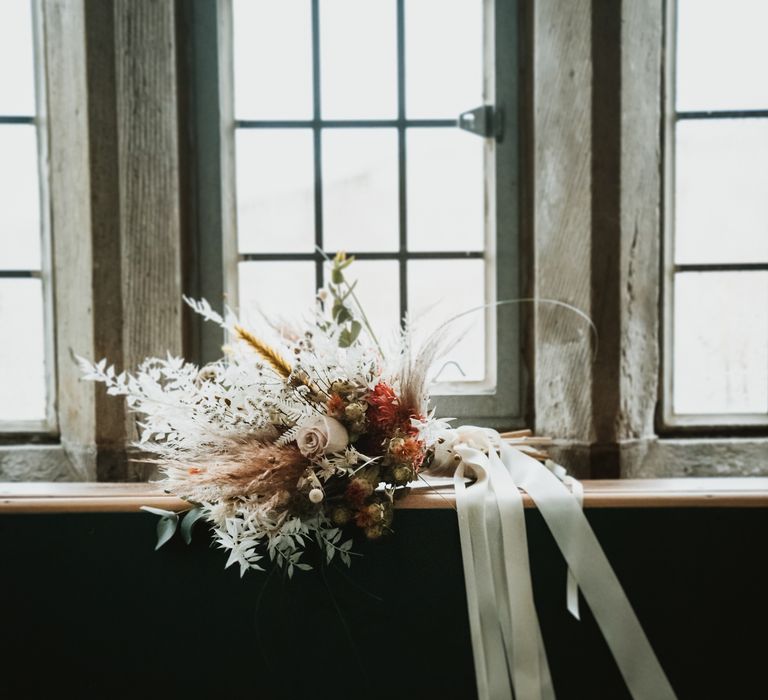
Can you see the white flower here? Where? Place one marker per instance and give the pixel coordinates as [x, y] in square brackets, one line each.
[477, 438]
[351, 457]
[446, 458]
[322, 435]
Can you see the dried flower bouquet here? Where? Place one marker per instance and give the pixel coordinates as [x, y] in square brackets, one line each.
[280, 445]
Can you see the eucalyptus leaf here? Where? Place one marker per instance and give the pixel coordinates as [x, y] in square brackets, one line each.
[341, 313]
[338, 309]
[166, 527]
[189, 519]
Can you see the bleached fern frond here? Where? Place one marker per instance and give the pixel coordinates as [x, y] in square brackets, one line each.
[288, 436]
[293, 412]
[203, 308]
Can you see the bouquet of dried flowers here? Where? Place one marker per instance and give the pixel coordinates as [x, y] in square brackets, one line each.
[280, 445]
[285, 445]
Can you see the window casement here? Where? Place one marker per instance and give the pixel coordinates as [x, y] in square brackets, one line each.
[27, 384]
[141, 142]
[349, 126]
[108, 144]
[716, 218]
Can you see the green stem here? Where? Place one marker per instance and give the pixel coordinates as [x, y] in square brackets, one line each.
[366, 323]
[336, 547]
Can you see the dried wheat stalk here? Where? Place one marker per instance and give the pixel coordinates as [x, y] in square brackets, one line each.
[268, 353]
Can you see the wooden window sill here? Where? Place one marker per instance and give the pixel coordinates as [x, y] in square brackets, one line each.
[47, 497]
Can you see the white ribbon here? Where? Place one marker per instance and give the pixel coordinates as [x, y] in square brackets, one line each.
[575, 487]
[508, 650]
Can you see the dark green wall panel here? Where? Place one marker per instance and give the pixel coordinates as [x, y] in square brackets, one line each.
[90, 608]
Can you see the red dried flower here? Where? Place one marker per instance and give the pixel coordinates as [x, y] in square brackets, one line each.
[370, 515]
[409, 450]
[385, 412]
[335, 406]
[357, 491]
[364, 517]
[383, 406]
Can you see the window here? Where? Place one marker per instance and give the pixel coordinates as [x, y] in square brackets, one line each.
[26, 402]
[346, 137]
[716, 259]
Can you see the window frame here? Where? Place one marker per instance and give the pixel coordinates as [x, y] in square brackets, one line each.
[503, 407]
[601, 415]
[44, 429]
[669, 422]
[113, 124]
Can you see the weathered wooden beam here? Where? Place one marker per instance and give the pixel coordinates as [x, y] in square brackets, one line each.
[642, 30]
[85, 204]
[148, 160]
[596, 227]
[114, 151]
[561, 135]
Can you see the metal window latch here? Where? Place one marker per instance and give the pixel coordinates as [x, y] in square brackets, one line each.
[485, 121]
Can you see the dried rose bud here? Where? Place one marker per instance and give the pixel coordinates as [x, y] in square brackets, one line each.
[373, 514]
[341, 516]
[355, 412]
[370, 474]
[374, 532]
[358, 490]
[402, 474]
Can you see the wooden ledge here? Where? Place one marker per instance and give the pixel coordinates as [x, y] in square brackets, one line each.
[750, 492]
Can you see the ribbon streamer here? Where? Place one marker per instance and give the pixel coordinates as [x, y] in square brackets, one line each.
[575, 487]
[510, 659]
